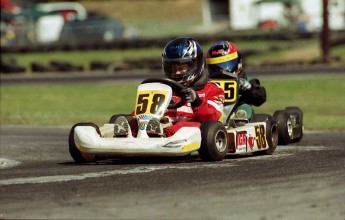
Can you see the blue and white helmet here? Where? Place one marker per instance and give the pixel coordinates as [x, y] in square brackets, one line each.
[183, 51]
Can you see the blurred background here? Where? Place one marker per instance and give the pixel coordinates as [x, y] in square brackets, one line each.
[45, 36]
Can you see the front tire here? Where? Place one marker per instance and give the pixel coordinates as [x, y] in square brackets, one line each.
[214, 141]
[76, 154]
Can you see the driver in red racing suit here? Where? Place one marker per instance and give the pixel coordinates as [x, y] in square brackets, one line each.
[207, 106]
[183, 62]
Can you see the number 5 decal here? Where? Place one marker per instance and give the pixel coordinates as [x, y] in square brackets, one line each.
[142, 103]
[230, 89]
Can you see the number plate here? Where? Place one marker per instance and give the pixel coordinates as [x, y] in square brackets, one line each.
[230, 89]
[151, 102]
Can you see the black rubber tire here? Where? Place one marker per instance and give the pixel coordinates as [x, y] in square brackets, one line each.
[78, 156]
[65, 66]
[298, 113]
[281, 117]
[10, 66]
[213, 134]
[271, 133]
[114, 117]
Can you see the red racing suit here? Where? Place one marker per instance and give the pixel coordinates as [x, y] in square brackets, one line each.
[211, 109]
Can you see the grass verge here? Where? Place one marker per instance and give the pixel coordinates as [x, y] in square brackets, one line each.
[321, 100]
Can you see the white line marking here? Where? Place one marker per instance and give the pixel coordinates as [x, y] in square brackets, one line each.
[8, 163]
[282, 148]
[147, 169]
[82, 176]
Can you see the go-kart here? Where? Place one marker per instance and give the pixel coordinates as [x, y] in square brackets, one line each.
[289, 121]
[213, 140]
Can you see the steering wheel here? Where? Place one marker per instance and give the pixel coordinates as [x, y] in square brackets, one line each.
[175, 86]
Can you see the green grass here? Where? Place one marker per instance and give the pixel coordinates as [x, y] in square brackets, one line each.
[321, 100]
[339, 51]
[64, 104]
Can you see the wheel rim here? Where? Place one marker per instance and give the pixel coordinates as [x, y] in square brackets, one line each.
[289, 127]
[220, 141]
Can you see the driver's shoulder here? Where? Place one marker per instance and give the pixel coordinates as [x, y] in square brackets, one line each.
[211, 84]
[211, 87]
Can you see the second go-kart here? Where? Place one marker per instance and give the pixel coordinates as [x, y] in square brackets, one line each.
[289, 121]
[213, 140]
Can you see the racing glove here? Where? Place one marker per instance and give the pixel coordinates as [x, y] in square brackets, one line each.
[190, 96]
[244, 84]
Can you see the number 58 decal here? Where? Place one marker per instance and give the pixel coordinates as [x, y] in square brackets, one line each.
[150, 102]
[260, 136]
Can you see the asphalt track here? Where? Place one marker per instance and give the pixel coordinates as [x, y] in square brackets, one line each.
[39, 180]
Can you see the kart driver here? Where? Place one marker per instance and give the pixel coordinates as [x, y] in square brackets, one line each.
[183, 61]
[224, 60]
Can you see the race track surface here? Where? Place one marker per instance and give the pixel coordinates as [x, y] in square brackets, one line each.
[39, 180]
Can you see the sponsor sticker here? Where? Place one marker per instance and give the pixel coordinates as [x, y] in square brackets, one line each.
[241, 141]
[251, 141]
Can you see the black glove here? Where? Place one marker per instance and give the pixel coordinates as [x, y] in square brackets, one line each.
[189, 95]
[244, 84]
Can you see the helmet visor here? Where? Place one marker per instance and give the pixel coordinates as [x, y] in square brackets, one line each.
[179, 69]
[227, 68]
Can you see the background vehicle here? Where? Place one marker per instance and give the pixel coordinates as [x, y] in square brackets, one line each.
[79, 26]
[58, 23]
[95, 28]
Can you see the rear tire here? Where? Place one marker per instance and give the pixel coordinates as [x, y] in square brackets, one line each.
[76, 154]
[214, 141]
[284, 127]
[298, 128]
[271, 133]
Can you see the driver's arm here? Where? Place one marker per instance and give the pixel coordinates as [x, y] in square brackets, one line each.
[256, 95]
[211, 108]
